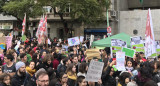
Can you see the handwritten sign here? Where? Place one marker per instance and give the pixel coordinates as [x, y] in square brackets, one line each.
[8, 41]
[118, 42]
[128, 52]
[94, 71]
[137, 44]
[120, 59]
[73, 41]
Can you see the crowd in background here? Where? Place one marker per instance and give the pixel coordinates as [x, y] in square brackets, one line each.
[34, 64]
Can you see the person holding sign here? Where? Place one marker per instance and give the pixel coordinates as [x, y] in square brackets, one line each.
[108, 78]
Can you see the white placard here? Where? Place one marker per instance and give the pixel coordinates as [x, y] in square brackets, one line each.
[94, 71]
[73, 41]
[136, 40]
[81, 39]
[120, 61]
[118, 42]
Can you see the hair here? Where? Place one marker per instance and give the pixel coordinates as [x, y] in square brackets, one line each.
[61, 75]
[74, 56]
[22, 55]
[65, 60]
[128, 61]
[34, 57]
[82, 67]
[80, 79]
[51, 73]
[158, 56]
[108, 52]
[69, 68]
[123, 76]
[47, 58]
[9, 56]
[2, 77]
[150, 83]
[41, 73]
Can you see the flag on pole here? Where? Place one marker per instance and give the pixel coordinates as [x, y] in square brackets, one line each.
[24, 25]
[150, 46]
[44, 28]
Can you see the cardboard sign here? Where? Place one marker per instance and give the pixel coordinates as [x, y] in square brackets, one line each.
[94, 71]
[93, 53]
[2, 39]
[128, 52]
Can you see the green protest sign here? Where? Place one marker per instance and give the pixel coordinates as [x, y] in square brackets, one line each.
[128, 52]
[23, 38]
[138, 47]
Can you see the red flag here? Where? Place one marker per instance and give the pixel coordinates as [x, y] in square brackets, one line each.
[150, 47]
[24, 25]
[44, 27]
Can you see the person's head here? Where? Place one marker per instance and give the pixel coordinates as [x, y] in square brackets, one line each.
[141, 54]
[35, 57]
[32, 64]
[23, 57]
[83, 67]
[21, 68]
[8, 58]
[63, 77]
[21, 50]
[42, 78]
[159, 58]
[75, 59]
[124, 78]
[71, 68]
[95, 58]
[129, 63]
[66, 61]
[44, 53]
[81, 81]
[5, 78]
[47, 59]
[150, 83]
[108, 52]
[111, 72]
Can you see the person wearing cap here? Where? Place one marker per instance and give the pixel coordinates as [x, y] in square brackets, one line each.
[19, 78]
[9, 67]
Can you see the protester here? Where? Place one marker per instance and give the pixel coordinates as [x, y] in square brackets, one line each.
[42, 78]
[20, 77]
[5, 79]
[9, 67]
[81, 81]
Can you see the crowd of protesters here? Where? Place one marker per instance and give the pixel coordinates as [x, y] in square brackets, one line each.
[34, 64]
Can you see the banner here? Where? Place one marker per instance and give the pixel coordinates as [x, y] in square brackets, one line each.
[120, 61]
[128, 52]
[81, 39]
[150, 47]
[2, 46]
[73, 41]
[94, 71]
[91, 39]
[137, 44]
[8, 41]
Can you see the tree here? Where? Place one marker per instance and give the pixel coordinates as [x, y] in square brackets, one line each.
[18, 8]
[86, 11]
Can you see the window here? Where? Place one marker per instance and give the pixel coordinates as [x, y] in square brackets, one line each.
[47, 9]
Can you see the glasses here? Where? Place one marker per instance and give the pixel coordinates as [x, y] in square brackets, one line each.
[43, 81]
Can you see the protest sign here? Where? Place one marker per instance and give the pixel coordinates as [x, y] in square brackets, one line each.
[120, 61]
[117, 45]
[137, 44]
[94, 71]
[128, 52]
[8, 41]
[93, 53]
[23, 38]
[73, 41]
[91, 39]
[81, 39]
[17, 46]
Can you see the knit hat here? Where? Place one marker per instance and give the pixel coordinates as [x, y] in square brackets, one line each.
[19, 65]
